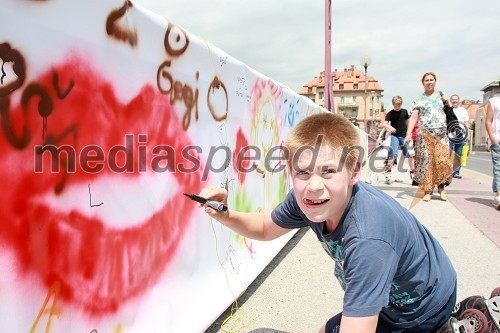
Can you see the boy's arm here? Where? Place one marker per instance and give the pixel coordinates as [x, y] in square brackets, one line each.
[388, 127]
[257, 226]
[356, 324]
[489, 123]
[387, 123]
[359, 324]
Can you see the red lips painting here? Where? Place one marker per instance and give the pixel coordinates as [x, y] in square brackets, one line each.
[99, 265]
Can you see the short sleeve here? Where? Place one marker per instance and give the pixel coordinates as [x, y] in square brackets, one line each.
[288, 214]
[369, 266]
[415, 107]
[388, 117]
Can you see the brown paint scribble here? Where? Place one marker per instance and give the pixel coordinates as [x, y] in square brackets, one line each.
[217, 84]
[8, 54]
[178, 92]
[64, 162]
[45, 107]
[446, 169]
[16, 142]
[61, 94]
[162, 76]
[113, 29]
[45, 104]
[176, 40]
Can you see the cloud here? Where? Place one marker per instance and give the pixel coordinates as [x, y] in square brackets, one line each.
[284, 40]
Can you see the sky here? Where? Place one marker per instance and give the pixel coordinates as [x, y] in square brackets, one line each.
[284, 40]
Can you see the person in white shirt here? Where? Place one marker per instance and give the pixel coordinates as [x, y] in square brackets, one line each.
[493, 130]
[457, 143]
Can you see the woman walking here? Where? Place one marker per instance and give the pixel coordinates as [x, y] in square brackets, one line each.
[434, 163]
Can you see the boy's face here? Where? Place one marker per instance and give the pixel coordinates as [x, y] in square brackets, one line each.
[321, 189]
[396, 106]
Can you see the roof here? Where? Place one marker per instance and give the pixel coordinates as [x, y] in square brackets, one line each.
[471, 109]
[348, 77]
[495, 83]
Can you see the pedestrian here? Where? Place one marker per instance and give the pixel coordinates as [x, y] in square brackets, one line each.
[458, 133]
[384, 140]
[434, 165]
[395, 274]
[396, 122]
[493, 129]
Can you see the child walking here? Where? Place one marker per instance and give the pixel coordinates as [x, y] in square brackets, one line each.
[396, 122]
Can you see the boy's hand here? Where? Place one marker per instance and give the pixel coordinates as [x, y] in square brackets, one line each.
[213, 193]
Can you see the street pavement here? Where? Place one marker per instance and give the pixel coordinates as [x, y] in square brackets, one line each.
[298, 292]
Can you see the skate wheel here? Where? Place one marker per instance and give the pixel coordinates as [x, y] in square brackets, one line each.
[476, 319]
[495, 292]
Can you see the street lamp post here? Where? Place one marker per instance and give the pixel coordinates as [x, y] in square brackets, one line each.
[328, 95]
[365, 62]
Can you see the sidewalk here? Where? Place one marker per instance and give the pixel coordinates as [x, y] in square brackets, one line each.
[298, 292]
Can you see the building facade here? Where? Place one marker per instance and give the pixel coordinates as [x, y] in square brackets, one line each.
[350, 98]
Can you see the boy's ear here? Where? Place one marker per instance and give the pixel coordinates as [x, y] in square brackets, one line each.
[356, 174]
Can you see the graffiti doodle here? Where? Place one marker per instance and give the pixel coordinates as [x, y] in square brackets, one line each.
[90, 200]
[53, 294]
[98, 267]
[113, 28]
[9, 55]
[176, 40]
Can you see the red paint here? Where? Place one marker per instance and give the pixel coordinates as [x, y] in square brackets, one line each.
[98, 267]
[241, 158]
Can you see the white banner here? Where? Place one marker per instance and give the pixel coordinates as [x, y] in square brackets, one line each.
[109, 113]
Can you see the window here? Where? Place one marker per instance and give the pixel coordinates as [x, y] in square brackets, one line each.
[309, 89]
[355, 86]
[354, 99]
[341, 86]
[320, 95]
[342, 100]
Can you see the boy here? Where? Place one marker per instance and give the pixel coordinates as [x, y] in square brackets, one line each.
[396, 122]
[493, 129]
[395, 275]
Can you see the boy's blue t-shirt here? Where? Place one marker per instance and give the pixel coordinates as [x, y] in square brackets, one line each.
[385, 260]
